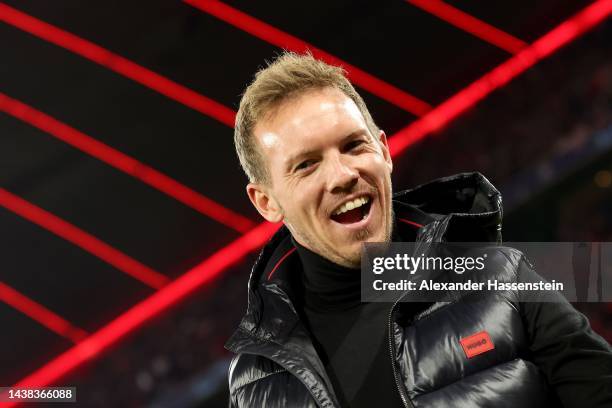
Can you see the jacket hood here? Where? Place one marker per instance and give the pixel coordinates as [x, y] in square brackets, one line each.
[467, 202]
[464, 207]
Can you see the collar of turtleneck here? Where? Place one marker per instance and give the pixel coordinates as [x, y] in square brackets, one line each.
[325, 285]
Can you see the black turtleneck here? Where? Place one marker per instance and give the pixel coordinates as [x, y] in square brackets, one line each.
[350, 337]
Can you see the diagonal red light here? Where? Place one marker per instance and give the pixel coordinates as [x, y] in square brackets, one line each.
[501, 75]
[214, 265]
[281, 39]
[125, 163]
[471, 24]
[41, 314]
[82, 239]
[117, 63]
[150, 307]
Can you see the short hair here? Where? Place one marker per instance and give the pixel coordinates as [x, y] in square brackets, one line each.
[288, 76]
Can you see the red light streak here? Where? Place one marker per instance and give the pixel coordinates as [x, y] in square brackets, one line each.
[118, 64]
[82, 239]
[281, 39]
[468, 97]
[41, 314]
[125, 163]
[472, 25]
[150, 307]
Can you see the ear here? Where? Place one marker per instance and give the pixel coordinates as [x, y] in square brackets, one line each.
[382, 139]
[263, 201]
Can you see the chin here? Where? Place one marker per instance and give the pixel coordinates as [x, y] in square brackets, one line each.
[354, 255]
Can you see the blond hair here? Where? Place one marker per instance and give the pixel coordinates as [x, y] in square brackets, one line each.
[288, 76]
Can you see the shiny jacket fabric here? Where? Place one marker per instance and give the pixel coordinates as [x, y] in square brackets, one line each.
[543, 353]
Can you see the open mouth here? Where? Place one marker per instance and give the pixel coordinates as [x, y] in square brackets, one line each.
[353, 211]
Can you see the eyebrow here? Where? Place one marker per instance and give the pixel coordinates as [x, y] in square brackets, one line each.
[301, 155]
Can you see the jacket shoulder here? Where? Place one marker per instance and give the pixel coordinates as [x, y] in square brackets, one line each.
[512, 258]
[499, 255]
[245, 369]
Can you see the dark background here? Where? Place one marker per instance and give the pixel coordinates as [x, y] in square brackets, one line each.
[545, 140]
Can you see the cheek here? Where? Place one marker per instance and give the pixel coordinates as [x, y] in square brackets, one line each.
[307, 195]
[380, 162]
[299, 207]
[376, 167]
[378, 159]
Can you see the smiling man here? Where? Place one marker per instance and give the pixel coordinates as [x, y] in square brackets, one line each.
[317, 162]
[329, 175]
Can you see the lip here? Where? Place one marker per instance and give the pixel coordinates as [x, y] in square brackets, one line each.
[351, 198]
[361, 223]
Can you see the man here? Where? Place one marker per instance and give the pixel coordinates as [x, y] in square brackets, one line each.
[317, 162]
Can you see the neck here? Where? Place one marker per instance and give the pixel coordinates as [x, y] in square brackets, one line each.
[326, 285]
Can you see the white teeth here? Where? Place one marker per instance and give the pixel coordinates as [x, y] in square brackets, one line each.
[358, 202]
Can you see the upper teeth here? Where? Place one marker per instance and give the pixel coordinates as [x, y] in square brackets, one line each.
[356, 203]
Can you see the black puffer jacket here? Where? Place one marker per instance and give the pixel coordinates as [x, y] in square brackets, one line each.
[544, 353]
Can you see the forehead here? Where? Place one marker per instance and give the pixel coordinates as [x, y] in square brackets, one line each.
[308, 121]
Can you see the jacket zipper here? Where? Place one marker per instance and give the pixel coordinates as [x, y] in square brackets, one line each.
[396, 375]
[402, 392]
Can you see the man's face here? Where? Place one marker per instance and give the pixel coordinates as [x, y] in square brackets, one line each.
[330, 178]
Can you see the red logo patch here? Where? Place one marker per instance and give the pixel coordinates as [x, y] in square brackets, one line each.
[477, 344]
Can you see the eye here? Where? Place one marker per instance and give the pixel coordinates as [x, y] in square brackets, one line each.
[352, 145]
[304, 165]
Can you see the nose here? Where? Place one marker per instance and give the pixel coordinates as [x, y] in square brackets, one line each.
[342, 176]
